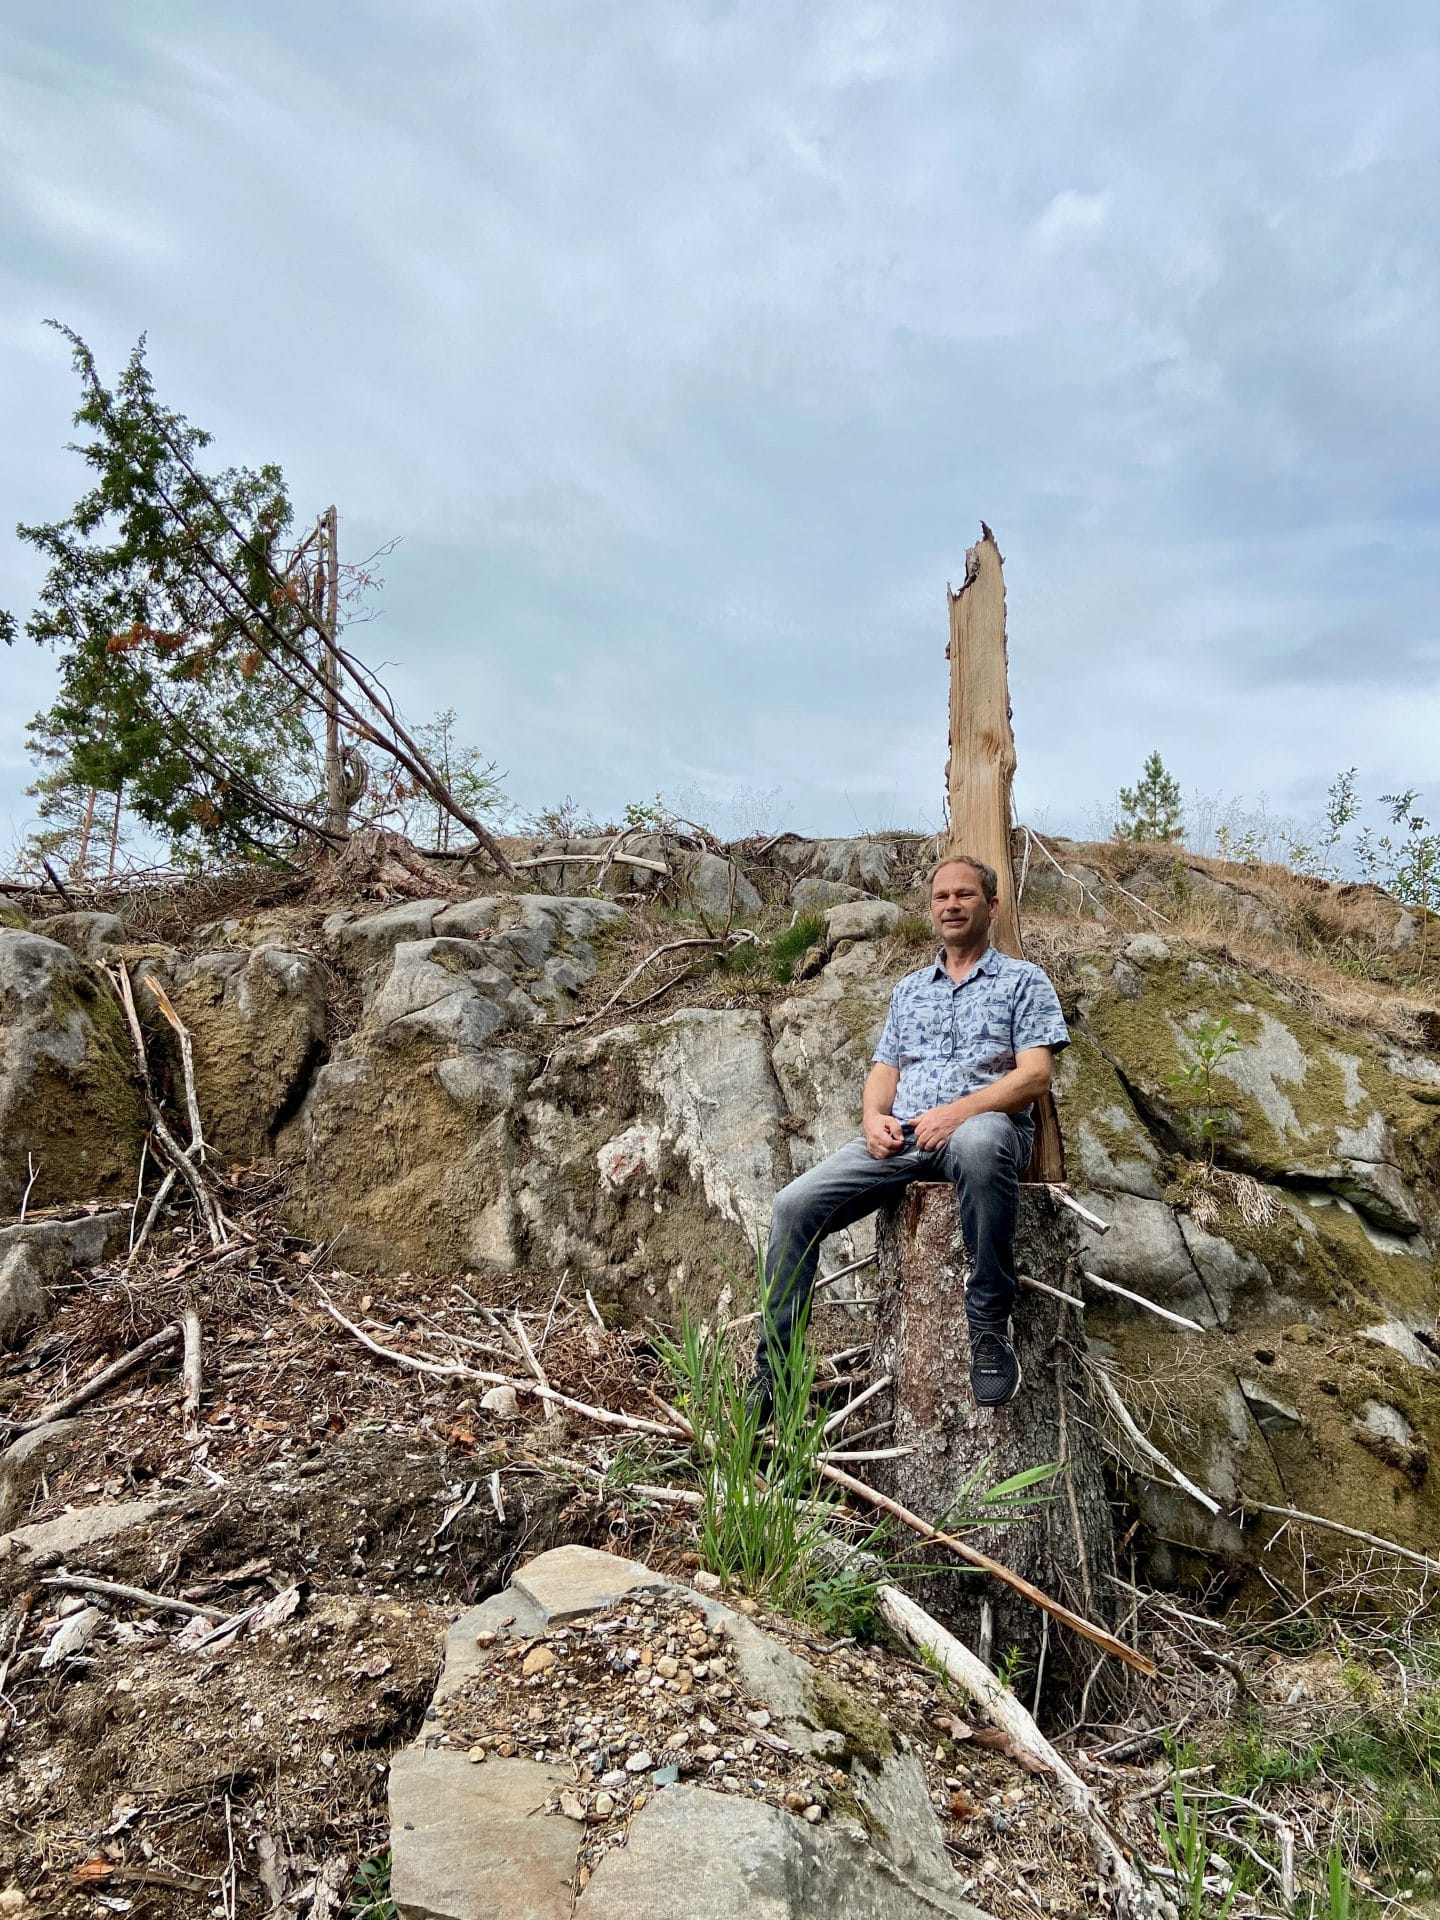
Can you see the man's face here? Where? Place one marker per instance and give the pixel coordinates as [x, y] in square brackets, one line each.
[959, 910]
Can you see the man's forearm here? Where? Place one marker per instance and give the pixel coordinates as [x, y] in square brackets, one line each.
[1009, 1094]
[882, 1083]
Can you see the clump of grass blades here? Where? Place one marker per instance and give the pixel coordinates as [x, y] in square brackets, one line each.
[1187, 1851]
[763, 1507]
[765, 1510]
[788, 948]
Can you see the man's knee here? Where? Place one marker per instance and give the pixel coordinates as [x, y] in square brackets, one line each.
[787, 1209]
[984, 1141]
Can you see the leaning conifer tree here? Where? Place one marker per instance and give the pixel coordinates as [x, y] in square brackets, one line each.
[163, 695]
[194, 667]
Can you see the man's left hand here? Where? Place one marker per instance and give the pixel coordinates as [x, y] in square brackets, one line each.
[934, 1127]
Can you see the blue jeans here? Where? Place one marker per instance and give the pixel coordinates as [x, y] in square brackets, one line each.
[984, 1157]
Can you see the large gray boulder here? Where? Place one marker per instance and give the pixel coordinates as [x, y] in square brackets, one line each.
[69, 1104]
[650, 1155]
[87, 935]
[257, 1027]
[33, 1253]
[871, 865]
[470, 1841]
[1297, 1102]
[408, 1131]
[716, 887]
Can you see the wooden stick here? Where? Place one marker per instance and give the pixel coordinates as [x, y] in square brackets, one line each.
[1107, 1849]
[872, 1453]
[588, 859]
[457, 1370]
[1087, 1629]
[825, 1280]
[1353, 1533]
[99, 1382]
[673, 1496]
[838, 1420]
[139, 1192]
[1139, 1300]
[1085, 892]
[531, 1358]
[209, 1212]
[1055, 1293]
[58, 884]
[190, 1372]
[1147, 1446]
[549, 1318]
[673, 946]
[113, 1590]
[34, 1171]
[187, 1062]
[1091, 1219]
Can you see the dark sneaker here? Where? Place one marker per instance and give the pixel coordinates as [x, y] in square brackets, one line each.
[994, 1368]
[760, 1395]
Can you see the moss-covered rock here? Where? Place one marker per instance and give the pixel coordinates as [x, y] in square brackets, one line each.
[69, 1103]
[257, 1028]
[407, 1140]
[1296, 1102]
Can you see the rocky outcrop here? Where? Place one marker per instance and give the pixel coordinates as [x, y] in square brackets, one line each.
[1297, 1105]
[408, 1131]
[855, 1838]
[33, 1253]
[418, 1067]
[1317, 1283]
[257, 1026]
[69, 1106]
[649, 1157]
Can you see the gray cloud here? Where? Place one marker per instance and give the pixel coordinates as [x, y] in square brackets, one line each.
[685, 348]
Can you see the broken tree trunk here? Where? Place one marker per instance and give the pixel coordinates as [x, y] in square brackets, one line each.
[1065, 1544]
[981, 771]
[327, 583]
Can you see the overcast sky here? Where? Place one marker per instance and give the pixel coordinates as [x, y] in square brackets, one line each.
[685, 344]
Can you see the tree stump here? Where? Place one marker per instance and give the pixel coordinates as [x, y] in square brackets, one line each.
[1065, 1546]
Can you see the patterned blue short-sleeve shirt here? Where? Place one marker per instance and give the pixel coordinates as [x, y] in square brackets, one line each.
[949, 1039]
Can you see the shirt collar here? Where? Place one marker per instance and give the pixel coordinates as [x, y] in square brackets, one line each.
[987, 963]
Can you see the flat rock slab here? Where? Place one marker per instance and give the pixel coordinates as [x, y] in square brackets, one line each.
[82, 1527]
[25, 1460]
[471, 1840]
[709, 1857]
[569, 1581]
[474, 1842]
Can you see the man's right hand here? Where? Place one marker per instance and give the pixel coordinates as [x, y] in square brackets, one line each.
[883, 1136]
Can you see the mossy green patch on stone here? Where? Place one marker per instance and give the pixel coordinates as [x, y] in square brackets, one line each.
[1087, 1087]
[1299, 1100]
[865, 1736]
[83, 1119]
[1360, 1262]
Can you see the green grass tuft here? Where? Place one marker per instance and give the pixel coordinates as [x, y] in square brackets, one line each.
[787, 949]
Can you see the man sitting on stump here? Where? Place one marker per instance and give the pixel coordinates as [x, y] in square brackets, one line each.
[965, 1053]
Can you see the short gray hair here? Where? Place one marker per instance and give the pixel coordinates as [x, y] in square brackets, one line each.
[989, 880]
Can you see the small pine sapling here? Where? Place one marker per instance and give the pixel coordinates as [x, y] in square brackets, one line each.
[1211, 1042]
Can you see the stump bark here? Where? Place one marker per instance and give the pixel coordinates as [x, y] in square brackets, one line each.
[1065, 1546]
